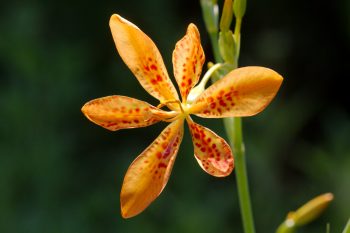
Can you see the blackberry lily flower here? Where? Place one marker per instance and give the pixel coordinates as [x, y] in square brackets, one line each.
[243, 92]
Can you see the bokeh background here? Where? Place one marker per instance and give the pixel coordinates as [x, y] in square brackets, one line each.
[61, 173]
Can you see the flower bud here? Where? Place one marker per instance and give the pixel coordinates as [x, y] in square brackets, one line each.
[239, 7]
[227, 46]
[227, 15]
[311, 210]
[305, 214]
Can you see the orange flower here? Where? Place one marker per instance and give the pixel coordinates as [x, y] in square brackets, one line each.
[243, 92]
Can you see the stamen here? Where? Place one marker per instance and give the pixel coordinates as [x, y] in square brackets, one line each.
[197, 90]
[171, 102]
[166, 103]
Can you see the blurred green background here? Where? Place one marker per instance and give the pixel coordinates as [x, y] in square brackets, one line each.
[61, 173]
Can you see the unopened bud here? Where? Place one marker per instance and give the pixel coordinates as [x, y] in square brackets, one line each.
[227, 15]
[305, 214]
[227, 46]
[239, 7]
[311, 210]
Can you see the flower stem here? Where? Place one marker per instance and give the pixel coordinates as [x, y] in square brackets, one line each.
[233, 127]
[242, 178]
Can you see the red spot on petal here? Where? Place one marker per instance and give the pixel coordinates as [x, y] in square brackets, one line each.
[111, 124]
[229, 98]
[153, 67]
[153, 81]
[222, 103]
[161, 165]
[159, 78]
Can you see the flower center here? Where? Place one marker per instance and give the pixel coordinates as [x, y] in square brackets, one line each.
[182, 109]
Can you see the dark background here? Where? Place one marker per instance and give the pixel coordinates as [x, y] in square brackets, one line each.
[61, 173]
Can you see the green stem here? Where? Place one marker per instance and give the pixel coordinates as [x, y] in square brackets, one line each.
[233, 127]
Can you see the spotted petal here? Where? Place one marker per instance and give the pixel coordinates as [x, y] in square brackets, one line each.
[121, 112]
[243, 92]
[149, 173]
[188, 59]
[211, 151]
[141, 55]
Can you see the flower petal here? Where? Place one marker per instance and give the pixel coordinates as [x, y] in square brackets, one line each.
[150, 171]
[188, 59]
[142, 57]
[121, 112]
[243, 92]
[211, 151]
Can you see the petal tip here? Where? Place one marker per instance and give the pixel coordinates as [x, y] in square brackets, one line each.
[117, 19]
[125, 209]
[192, 28]
[85, 110]
[125, 214]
